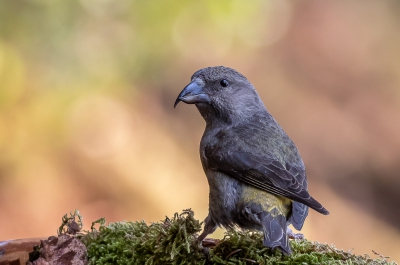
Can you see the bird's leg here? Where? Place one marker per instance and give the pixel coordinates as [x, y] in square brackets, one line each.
[209, 227]
[293, 235]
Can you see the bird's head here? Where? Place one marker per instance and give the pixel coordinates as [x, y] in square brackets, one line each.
[221, 93]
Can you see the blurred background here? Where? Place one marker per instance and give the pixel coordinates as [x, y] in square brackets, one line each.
[87, 121]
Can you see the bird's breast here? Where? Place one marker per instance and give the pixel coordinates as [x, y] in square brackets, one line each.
[223, 198]
[224, 190]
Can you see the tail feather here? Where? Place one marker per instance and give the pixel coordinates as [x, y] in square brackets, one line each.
[274, 227]
[298, 215]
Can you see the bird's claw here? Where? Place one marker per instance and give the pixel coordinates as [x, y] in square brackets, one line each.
[198, 246]
[205, 245]
[293, 235]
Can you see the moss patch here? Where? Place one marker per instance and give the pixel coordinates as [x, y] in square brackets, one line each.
[172, 241]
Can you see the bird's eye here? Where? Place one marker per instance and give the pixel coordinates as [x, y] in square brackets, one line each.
[224, 83]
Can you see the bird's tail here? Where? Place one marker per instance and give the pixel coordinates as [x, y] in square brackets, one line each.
[274, 226]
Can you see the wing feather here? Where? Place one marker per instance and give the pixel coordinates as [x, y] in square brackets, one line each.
[266, 174]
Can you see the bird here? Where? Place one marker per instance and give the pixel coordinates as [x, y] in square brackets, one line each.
[256, 176]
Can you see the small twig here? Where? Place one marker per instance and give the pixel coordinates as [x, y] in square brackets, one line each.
[380, 255]
[233, 252]
[250, 260]
[210, 242]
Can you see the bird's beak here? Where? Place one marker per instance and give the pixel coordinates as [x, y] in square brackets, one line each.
[193, 93]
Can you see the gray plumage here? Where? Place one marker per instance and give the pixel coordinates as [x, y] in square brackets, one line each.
[256, 176]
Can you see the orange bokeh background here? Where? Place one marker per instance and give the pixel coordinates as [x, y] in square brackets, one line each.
[87, 121]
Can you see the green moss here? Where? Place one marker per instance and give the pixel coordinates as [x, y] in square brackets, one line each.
[304, 252]
[172, 241]
[167, 242]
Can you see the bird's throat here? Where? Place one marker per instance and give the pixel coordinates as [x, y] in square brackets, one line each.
[212, 115]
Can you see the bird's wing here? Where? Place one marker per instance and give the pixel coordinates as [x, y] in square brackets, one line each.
[263, 173]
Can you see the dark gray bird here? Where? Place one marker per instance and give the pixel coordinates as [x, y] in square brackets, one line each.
[256, 176]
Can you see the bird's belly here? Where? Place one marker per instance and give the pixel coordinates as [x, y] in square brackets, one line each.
[267, 201]
[231, 200]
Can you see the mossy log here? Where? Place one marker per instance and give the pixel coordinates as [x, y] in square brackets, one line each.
[173, 241]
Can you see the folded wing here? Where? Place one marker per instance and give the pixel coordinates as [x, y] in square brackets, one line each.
[266, 174]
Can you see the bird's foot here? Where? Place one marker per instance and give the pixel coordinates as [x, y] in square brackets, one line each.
[206, 252]
[293, 235]
[204, 246]
[199, 247]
